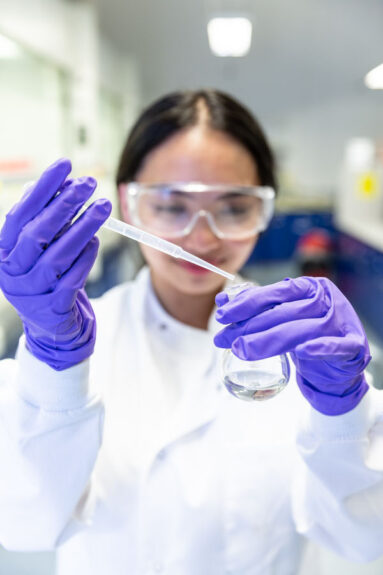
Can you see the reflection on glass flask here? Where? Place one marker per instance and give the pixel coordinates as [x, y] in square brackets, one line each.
[253, 380]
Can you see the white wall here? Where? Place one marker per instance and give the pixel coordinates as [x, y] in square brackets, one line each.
[312, 141]
[66, 35]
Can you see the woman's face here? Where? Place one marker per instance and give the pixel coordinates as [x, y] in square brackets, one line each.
[198, 154]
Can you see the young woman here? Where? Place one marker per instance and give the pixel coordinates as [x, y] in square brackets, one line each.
[134, 458]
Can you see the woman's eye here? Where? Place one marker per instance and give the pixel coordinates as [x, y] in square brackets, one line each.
[235, 210]
[171, 210]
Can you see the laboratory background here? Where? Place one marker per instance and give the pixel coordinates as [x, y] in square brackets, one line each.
[74, 75]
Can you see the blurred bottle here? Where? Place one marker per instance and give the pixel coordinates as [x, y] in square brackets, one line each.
[360, 197]
[315, 254]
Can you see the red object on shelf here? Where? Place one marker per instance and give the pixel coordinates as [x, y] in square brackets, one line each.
[316, 241]
[315, 252]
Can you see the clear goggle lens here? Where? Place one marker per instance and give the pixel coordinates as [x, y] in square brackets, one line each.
[172, 210]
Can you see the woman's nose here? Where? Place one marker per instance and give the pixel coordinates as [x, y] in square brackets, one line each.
[201, 238]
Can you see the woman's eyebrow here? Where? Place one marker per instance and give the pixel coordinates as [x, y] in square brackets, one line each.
[191, 196]
[182, 194]
[233, 194]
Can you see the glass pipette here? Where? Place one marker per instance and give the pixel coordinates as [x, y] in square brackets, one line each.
[160, 244]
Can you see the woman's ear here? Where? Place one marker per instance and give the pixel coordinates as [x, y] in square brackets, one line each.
[124, 209]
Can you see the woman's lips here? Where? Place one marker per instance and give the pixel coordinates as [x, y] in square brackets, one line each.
[194, 269]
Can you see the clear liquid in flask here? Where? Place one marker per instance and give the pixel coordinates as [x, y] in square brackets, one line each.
[249, 386]
[255, 380]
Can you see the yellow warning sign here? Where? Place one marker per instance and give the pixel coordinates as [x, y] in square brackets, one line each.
[368, 184]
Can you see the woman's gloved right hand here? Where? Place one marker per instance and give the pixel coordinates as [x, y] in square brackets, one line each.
[45, 260]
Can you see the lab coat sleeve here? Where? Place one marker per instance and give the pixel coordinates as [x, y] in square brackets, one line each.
[338, 489]
[50, 433]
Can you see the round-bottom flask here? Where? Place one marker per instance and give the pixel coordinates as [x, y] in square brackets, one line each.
[253, 380]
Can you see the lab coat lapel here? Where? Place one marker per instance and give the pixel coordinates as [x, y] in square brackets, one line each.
[199, 404]
[199, 407]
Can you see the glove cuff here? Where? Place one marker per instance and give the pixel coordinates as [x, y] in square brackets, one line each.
[333, 403]
[73, 345]
[59, 358]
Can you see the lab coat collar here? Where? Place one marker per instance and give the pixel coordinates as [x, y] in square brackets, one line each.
[200, 400]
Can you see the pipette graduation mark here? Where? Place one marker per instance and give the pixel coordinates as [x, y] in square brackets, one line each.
[160, 244]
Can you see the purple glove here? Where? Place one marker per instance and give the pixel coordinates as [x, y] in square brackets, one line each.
[310, 318]
[44, 263]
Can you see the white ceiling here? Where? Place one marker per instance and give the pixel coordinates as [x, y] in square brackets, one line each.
[304, 52]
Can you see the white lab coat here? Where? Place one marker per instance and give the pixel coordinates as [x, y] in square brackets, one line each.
[181, 477]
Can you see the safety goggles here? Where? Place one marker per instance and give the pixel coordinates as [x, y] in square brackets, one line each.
[172, 210]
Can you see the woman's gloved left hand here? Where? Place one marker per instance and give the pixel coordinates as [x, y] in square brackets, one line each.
[310, 318]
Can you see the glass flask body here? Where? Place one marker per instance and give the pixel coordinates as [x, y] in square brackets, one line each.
[255, 380]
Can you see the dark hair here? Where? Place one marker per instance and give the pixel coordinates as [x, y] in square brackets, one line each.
[178, 110]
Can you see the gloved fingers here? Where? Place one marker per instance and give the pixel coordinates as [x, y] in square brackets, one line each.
[221, 298]
[60, 255]
[68, 182]
[62, 231]
[276, 340]
[42, 307]
[68, 224]
[74, 279]
[352, 350]
[33, 201]
[37, 234]
[288, 312]
[254, 301]
[77, 275]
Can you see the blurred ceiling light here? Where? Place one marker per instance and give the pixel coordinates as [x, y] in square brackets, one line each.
[8, 48]
[374, 79]
[229, 36]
